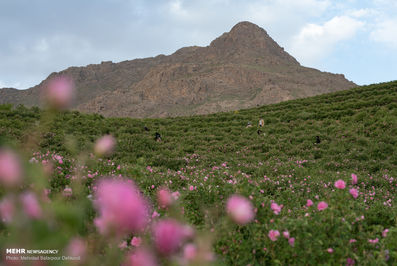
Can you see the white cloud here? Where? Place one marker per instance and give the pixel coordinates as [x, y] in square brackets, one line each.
[177, 9]
[315, 41]
[284, 17]
[364, 12]
[386, 3]
[275, 8]
[386, 32]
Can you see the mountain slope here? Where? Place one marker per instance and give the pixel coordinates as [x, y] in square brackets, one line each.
[242, 68]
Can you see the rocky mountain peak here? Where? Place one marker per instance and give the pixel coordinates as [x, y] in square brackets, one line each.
[242, 68]
[248, 40]
[246, 27]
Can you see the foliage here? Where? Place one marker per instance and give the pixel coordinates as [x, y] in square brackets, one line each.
[208, 158]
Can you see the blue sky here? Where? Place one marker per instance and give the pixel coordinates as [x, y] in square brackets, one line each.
[355, 37]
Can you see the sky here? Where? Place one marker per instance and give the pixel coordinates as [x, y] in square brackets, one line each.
[357, 38]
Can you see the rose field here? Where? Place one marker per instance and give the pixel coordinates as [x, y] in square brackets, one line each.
[316, 185]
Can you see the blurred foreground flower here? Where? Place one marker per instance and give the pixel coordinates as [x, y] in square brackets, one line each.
[77, 248]
[6, 210]
[136, 241]
[164, 198]
[140, 257]
[105, 145]
[10, 168]
[59, 92]
[67, 192]
[121, 207]
[30, 205]
[168, 236]
[190, 252]
[240, 209]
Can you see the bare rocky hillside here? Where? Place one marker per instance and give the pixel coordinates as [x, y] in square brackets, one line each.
[242, 68]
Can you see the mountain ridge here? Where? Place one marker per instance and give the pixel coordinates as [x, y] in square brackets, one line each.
[241, 68]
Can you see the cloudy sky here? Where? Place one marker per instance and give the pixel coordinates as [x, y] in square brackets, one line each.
[355, 37]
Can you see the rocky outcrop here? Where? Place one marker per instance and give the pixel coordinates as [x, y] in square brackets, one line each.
[240, 69]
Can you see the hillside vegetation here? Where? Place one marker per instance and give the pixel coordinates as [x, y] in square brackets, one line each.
[208, 158]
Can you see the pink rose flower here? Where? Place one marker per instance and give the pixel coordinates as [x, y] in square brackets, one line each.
[168, 236]
[121, 207]
[175, 195]
[240, 209]
[322, 206]
[7, 210]
[309, 203]
[340, 184]
[291, 241]
[273, 235]
[141, 257]
[123, 245]
[10, 168]
[353, 192]
[30, 205]
[354, 179]
[350, 262]
[384, 233]
[59, 92]
[77, 247]
[190, 252]
[136, 241]
[164, 198]
[373, 241]
[67, 192]
[104, 146]
[276, 208]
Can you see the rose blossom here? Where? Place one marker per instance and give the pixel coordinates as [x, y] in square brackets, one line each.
[168, 236]
[121, 207]
[10, 168]
[322, 205]
[240, 209]
[340, 184]
[104, 146]
[273, 235]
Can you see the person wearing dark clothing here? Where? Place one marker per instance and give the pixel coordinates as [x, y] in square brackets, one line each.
[157, 137]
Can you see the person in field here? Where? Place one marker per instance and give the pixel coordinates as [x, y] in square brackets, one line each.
[157, 137]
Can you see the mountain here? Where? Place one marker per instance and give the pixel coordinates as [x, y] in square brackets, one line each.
[240, 69]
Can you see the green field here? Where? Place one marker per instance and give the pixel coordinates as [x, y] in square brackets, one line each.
[208, 158]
